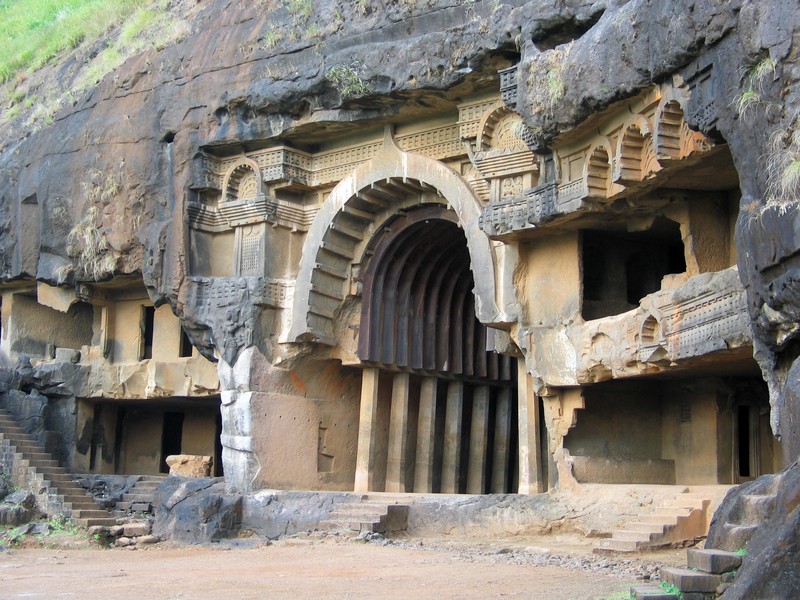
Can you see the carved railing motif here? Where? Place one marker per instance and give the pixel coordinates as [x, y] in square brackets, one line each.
[529, 209]
[699, 325]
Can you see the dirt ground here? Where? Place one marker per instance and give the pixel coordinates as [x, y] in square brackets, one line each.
[326, 567]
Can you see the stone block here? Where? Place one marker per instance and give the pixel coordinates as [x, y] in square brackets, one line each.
[17, 508]
[123, 541]
[712, 561]
[68, 355]
[688, 581]
[189, 465]
[148, 539]
[136, 529]
[650, 592]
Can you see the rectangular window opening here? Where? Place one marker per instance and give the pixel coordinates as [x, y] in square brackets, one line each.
[185, 350]
[148, 317]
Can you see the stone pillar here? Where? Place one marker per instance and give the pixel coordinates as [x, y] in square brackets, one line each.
[367, 422]
[478, 441]
[398, 435]
[502, 441]
[530, 459]
[451, 459]
[238, 459]
[426, 431]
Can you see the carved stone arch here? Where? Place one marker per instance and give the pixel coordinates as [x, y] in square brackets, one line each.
[670, 126]
[597, 170]
[635, 154]
[358, 203]
[650, 331]
[496, 129]
[242, 181]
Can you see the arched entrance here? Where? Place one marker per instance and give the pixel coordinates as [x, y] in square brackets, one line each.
[439, 404]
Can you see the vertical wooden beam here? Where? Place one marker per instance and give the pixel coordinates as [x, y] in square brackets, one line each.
[451, 459]
[426, 430]
[367, 425]
[398, 435]
[530, 453]
[502, 441]
[478, 441]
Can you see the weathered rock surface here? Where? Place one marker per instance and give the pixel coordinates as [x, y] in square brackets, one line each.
[195, 511]
[770, 570]
[189, 465]
[107, 489]
[273, 513]
[17, 508]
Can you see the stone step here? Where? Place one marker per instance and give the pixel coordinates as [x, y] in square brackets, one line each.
[358, 508]
[712, 561]
[56, 471]
[329, 525]
[132, 497]
[89, 513]
[651, 592]
[91, 522]
[656, 519]
[688, 581]
[74, 507]
[687, 501]
[758, 508]
[634, 536]
[26, 447]
[39, 462]
[652, 527]
[614, 545]
[738, 535]
[157, 479]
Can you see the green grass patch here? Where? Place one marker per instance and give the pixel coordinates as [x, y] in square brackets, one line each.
[32, 32]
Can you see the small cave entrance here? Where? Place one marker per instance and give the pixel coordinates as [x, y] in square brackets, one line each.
[621, 268]
[445, 402]
[135, 437]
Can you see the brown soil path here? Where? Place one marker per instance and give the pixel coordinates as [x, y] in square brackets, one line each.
[298, 568]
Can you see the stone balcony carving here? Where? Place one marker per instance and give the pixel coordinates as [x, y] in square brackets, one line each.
[705, 320]
[706, 315]
[627, 153]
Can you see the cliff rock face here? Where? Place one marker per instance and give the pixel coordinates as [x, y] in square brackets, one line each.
[119, 165]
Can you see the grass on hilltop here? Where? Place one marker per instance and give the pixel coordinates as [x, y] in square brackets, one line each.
[34, 31]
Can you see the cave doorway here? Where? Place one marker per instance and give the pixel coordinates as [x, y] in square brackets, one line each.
[439, 403]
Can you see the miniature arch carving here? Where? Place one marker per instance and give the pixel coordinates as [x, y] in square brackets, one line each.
[242, 181]
[669, 130]
[499, 129]
[636, 158]
[597, 171]
[358, 204]
[674, 140]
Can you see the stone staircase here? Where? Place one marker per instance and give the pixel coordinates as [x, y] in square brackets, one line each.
[707, 575]
[54, 486]
[750, 511]
[140, 498]
[376, 516]
[682, 519]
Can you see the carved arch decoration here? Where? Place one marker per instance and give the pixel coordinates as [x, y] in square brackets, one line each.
[597, 171]
[242, 181]
[674, 140]
[636, 157]
[364, 199]
[498, 129]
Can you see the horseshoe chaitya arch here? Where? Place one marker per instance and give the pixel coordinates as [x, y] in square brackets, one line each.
[417, 304]
[392, 180]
